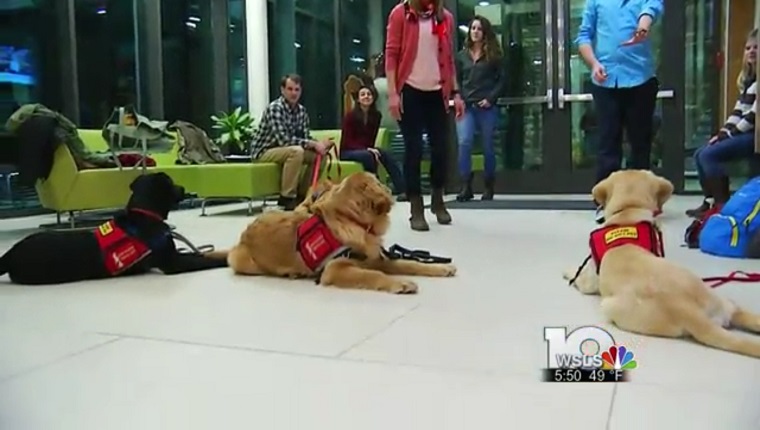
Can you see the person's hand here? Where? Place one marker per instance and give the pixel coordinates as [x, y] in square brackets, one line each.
[394, 106]
[319, 147]
[713, 139]
[598, 73]
[375, 153]
[458, 106]
[485, 104]
[328, 143]
[642, 31]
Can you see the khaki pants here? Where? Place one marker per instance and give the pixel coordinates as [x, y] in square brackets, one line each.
[292, 158]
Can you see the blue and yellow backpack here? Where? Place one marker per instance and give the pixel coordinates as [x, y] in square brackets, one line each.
[729, 232]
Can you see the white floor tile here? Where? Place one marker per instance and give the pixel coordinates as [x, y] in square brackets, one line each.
[650, 407]
[24, 350]
[210, 350]
[148, 385]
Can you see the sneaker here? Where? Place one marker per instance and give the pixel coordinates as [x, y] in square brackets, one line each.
[599, 218]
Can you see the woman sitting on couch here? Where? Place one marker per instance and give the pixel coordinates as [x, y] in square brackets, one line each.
[734, 141]
[357, 140]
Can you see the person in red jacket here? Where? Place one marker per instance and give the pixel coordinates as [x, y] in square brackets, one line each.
[357, 139]
[419, 65]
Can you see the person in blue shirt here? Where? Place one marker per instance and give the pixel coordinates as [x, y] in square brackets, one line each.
[613, 41]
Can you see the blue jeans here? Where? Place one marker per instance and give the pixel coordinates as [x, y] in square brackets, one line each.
[485, 120]
[368, 162]
[710, 158]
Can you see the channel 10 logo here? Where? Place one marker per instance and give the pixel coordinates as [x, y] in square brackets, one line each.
[582, 348]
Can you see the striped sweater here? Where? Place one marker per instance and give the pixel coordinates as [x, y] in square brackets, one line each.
[742, 118]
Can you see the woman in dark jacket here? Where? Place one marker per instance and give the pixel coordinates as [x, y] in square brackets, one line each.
[482, 81]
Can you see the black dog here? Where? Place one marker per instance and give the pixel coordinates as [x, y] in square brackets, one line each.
[133, 242]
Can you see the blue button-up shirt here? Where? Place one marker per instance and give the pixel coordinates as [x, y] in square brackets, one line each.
[606, 25]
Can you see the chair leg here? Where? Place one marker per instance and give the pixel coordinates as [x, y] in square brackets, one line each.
[250, 207]
[72, 219]
[58, 218]
[203, 207]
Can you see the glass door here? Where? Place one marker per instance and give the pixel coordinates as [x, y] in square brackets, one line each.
[547, 135]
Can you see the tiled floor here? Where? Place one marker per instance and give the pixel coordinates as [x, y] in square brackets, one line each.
[213, 351]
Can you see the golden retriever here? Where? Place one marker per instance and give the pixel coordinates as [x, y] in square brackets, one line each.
[646, 294]
[356, 212]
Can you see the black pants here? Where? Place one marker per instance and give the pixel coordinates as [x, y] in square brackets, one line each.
[630, 109]
[423, 111]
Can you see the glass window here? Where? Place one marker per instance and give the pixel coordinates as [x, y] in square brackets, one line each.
[30, 72]
[362, 38]
[701, 110]
[106, 59]
[315, 62]
[29, 62]
[237, 54]
[187, 61]
[309, 51]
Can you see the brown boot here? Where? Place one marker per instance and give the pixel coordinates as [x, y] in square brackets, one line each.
[438, 207]
[417, 220]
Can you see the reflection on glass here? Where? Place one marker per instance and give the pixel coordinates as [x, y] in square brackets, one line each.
[315, 52]
[523, 27]
[701, 82]
[236, 54]
[106, 59]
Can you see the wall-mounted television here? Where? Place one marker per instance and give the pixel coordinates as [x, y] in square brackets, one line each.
[16, 66]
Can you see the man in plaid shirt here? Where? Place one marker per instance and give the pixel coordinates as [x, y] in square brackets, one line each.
[283, 137]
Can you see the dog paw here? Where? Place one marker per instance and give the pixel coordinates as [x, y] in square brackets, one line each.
[443, 270]
[403, 287]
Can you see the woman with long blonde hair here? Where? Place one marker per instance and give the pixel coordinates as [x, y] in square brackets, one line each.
[480, 71]
[734, 141]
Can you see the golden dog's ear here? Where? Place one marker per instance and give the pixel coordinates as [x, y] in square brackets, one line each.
[601, 191]
[664, 190]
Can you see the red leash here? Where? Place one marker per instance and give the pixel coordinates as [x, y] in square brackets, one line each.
[737, 276]
[318, 167]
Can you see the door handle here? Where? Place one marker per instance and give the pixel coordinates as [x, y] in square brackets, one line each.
[587, 97]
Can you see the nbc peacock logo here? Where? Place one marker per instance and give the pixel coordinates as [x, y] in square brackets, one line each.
[618, 358]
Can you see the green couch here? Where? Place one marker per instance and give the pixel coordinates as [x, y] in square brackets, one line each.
[68, 189]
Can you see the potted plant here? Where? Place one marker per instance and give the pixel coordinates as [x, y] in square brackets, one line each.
[236, 130]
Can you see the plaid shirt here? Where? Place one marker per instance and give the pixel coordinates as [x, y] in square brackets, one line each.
[281, 125]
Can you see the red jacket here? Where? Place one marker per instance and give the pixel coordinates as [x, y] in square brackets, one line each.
[355, 134]
[401, 47]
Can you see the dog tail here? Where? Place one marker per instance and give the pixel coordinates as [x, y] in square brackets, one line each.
[708, 332]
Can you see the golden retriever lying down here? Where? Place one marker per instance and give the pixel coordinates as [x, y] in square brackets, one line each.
[643, 292]
[344, 223]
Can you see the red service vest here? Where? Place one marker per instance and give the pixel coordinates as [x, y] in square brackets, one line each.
[316, 244]
[120, 250]
[643, 234]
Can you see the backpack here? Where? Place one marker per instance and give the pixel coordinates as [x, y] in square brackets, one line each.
[729, 232]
